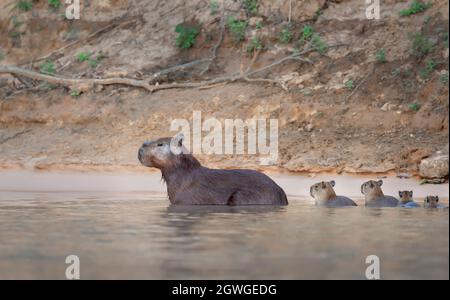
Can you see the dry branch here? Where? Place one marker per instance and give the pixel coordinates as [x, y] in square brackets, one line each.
[87, 84]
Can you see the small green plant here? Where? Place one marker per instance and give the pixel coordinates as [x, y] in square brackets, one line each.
[259, 25]
[349, 84]
[254, 45]
[415, 106]
[421, 45]
[93, 63]
[318, 13]
[443, 78]
[47, 68]
[318, 44]
[444, 38]
[307, 33]
[55, 4]
[14, 34]
[75, 93]
[251, 6]
[285, 36]
[381, 56]
[425, 73]
[47, 86]
[237, 29]
[415, 7]
[426, 20]
[24, 5]
[307, 92]
[83, 56]
[214, 7]
[187, 35]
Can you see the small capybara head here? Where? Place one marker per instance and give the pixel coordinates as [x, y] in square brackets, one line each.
[322, 190]
[431, 201]
[405, 196]
[371, 186]
[162, 152]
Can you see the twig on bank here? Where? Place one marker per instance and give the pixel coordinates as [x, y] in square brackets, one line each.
[361, 83]
[217, 45]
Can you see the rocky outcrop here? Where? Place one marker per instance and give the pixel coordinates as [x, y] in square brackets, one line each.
[435, 166]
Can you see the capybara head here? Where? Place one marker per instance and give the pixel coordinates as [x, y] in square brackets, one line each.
[405, 196]
[371, 187]
[322, 190]
[162, 152]
[431, 201]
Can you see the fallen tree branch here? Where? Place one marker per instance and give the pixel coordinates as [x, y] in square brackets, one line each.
[83, 85]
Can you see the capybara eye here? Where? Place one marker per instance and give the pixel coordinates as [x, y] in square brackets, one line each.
[159, 145]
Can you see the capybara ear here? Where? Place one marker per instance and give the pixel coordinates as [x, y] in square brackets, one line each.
[178, 139]
[380, 182]
[332, 183]
[400, 193]
[176, 144]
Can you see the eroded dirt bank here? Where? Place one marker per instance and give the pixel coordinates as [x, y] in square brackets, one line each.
[346, 111]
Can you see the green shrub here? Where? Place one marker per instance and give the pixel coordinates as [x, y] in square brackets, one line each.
[47, 68]
[83, 56]
[349, 84]
[444, 78]
[254, 45]
[421, 45]
[250, 6]
[187, 35]
[54, 3]
[214, 7]
[415, 7]
[237, 29]
[75, 93]
[307, 33]
[381, 56]
[425, 73]
[444, 38]
[318, 44]
[285, 36]
[24, 5]
[259, 25]
[414, 106]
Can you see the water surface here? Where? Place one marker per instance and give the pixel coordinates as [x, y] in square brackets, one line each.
[138, 235]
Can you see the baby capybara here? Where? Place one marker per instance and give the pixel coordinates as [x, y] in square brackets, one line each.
[189, 183]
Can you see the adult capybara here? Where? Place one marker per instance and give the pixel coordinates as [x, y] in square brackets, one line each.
[374, 195]
[324, 195]
[189, 183]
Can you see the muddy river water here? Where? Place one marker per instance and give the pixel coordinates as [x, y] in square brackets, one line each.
[121, 225]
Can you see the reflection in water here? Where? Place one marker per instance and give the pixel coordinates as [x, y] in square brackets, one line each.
[128, 235]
